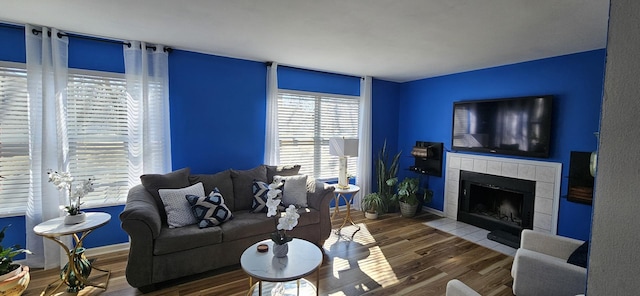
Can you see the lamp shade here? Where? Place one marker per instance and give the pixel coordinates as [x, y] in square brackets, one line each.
[339, 146]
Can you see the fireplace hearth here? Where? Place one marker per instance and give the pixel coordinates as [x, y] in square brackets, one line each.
[499, 204]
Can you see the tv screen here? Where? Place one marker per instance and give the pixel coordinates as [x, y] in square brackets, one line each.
[513, 126]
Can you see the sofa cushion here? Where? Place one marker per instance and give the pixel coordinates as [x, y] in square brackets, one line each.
[177, 207]
[243, 183]
[173, 240]
[153, 182]
[295, 190]
[287, 170]
[209, 210]
[260, 195]
[221, 180]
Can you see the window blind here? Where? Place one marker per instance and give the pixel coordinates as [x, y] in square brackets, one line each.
[306, 121]
[97, 133]
[14, 139]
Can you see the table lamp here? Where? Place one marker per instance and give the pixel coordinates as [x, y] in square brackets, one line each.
[343, 148]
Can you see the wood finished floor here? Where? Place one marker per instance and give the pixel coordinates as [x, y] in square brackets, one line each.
[388, 256]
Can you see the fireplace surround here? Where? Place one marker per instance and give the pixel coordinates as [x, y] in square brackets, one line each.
[546, 175]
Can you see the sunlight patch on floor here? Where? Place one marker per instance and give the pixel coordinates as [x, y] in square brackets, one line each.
[353, 249]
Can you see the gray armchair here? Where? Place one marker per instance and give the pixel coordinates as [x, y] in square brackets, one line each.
[540, 266]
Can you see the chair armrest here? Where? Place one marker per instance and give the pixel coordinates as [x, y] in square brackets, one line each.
[540, 274]
[458, 288]
[552, 245]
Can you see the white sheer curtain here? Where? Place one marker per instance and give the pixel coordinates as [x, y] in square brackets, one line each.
[147, 75]
[364, 146]
[271, 146]
[47, 60]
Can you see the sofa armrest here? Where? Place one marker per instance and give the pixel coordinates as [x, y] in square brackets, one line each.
[539, 274]
[319, 195]
[552, 245]
[140, 206]
[458, 288]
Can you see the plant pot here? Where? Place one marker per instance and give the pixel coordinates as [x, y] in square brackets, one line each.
[17, 281]
[370, 215]
[408, 210]
[75, 219]
[280, 250]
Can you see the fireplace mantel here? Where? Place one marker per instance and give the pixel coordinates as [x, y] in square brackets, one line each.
[547, 175]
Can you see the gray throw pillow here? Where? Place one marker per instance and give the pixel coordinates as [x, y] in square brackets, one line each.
[177, 206]
[221, 180]
[243, 183]
[154, 182]
[295, 190]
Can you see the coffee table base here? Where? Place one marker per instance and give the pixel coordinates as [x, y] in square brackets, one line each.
[284, 288]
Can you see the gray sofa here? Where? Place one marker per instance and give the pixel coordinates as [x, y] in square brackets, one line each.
[158, 253]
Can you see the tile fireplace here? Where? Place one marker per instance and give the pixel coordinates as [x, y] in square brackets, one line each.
[537, 182]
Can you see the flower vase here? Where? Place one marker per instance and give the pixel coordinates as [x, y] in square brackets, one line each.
[280, 250]
[79, 272]
[75, 219]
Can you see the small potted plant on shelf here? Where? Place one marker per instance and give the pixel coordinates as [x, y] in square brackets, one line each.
[406, 196]
[372, 204]
[14, 278]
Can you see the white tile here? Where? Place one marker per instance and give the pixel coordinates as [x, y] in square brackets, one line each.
[453, 187]
[453, 175]
[454, 162]
[544, 189]
[527, 172]
[487, 243]
[466, 164]
[543, 205]
[494, 167]
[509, 169]
[543, 221]
[452, 211]
[477, 235]
[480, 165]
[438, 222]
[545, 174]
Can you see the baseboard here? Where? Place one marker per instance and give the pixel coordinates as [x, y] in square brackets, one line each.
[433, 211]
[107, 249]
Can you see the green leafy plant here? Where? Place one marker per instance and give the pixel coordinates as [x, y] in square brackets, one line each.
[386, 171]
[407, 190]
[7, 254]
[373, 203]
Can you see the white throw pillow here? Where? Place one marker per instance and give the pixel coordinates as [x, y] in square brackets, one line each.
[177, 207]
[295, 190]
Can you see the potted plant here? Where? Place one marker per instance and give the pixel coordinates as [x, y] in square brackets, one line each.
[64, 181]
[372, 204]
[386, 172]
[14, 278]
[406, 196]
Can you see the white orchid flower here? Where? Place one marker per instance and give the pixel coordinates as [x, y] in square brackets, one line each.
[290, 219]
[272, 206]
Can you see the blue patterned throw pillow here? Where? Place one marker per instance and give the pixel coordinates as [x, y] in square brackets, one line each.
[260, 190]
[209, 210]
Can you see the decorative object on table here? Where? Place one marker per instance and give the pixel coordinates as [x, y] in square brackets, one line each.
[79, 273]
[262, 248]
[64, 181]
[343, 148]
[406, 196]
[372, 204]
[286, 221]
[386, 170]
[14, 278]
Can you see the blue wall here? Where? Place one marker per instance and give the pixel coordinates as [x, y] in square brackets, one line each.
[218, 111]
[575, 80]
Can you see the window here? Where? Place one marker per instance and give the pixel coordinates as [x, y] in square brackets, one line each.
[306, 121]
[97, 131]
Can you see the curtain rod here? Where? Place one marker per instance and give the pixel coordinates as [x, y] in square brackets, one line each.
[78, 36]
[70, 35]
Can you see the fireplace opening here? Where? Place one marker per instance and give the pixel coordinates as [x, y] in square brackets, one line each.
[501, 205]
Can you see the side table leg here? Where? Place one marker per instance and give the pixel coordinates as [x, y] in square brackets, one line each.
[336, 208]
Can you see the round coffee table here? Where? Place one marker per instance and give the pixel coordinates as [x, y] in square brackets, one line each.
[303, 259]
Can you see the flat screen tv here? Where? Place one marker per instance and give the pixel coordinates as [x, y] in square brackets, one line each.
[513, 126]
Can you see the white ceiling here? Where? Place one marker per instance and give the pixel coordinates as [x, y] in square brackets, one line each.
[399, 40]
